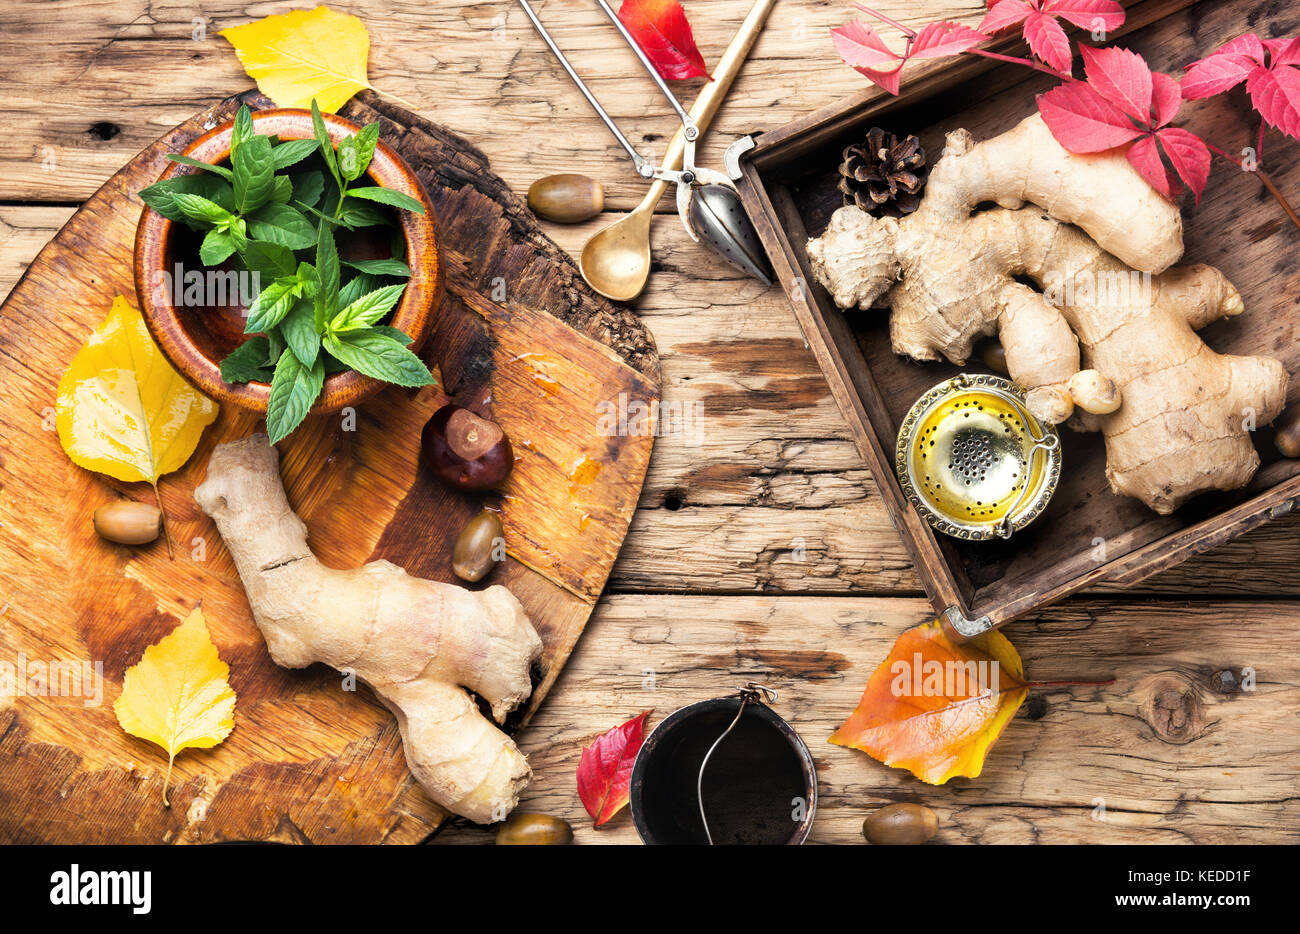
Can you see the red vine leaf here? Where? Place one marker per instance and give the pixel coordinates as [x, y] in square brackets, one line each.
[1189, 156]
[1048, 41]
[1166, 98]
[1083, 121]
[1004, 14]
[1043, 32]
[605, 770]
[861, 48]
[1145, 157]
[1276, 95]
[1269, 68]
[939, 40]
[1122, 77]
[661, 29]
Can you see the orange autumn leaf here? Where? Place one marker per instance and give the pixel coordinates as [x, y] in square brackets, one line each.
[934, 707]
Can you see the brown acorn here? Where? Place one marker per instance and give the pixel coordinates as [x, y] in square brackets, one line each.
[884, 175]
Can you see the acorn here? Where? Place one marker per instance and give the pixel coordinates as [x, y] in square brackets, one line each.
[566, 199]
[128, 522]
[897, 824]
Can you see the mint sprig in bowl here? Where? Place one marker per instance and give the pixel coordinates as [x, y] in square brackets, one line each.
[287, 262]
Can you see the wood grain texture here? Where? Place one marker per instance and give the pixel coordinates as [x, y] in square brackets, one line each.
[1087, 534]
[723, 509]
[1161, 756]
[308, 760]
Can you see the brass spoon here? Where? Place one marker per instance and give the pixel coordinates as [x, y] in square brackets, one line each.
[616, 260]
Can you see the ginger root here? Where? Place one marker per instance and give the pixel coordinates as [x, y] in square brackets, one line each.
[1107, 325]
[416, 642]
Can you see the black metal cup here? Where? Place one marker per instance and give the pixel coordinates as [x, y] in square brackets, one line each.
[759, 786]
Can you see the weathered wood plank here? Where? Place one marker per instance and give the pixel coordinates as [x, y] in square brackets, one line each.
[507, 94]
[768, 465]
[1168, 757]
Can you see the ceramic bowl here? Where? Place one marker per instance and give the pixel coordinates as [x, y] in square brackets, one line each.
[196, 339]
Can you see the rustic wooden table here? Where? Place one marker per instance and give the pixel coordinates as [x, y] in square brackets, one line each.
[761, 549]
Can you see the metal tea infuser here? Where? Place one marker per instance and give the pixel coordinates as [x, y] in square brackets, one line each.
[707, 203]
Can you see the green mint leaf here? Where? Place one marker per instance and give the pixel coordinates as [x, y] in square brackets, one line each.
[270, 261]
[200, 209]
[380, 267]
[159, 195]
[325, 143]
[366, 139]
[274, 347]
[299, 330]
[360, 214]
[217, 246]
[332, 363]
[282, 189]
[357, 286]
[206, 166]
[379, 356]
[272, 304]
[348, 158]
[294, 389]
[389, 196]
[254, 177]
[327, 269]
[281, 224]
[367, 310]
[400, 336]
[308, 187]
[292, 151]
[245, 363]
[243, 128]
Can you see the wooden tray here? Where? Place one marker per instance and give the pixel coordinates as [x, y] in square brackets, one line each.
[1087, 535]
[518, 332]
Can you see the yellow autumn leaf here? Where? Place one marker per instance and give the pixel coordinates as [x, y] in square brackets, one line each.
[305, 54]
[177, 695]
[122, 409]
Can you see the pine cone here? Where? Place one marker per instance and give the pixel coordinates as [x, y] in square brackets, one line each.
[884, 175]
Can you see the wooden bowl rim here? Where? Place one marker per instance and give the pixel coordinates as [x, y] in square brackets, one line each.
[413, 314]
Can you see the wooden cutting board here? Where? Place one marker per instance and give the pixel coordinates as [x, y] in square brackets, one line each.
[518, 334]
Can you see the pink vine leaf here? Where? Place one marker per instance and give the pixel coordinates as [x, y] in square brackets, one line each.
[862, 48]
[1123, 101]
[1269, 68]
[1042, 29]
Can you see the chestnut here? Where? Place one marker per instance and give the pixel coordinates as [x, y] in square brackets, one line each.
[466, 451]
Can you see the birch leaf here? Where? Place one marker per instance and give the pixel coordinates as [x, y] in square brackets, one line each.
[177, 695]
[122, 409]
[304, 55]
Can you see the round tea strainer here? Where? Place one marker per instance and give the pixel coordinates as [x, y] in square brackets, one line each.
[973, 460]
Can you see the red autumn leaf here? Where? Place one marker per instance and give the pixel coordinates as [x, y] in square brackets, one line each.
[1144, 156]
[605, 770]
[1122, 77]
[939, 40]
[1216, 74]
[1092, 15]
[1003, 14]
[860, 47]
[1276, 95]
[661, 29]
[1043, 32]
[1083, 121]
[1048, 41]
[1189, 156]
[1166, 98]
[1269, 68]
